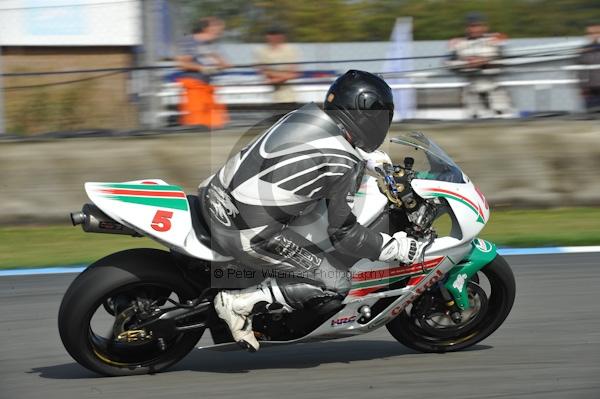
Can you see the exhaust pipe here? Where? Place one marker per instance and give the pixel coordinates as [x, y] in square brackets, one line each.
[93, 220]
[77, 218]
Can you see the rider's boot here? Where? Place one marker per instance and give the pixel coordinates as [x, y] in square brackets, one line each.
[236, 306]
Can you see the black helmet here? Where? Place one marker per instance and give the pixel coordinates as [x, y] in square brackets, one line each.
[364, 105]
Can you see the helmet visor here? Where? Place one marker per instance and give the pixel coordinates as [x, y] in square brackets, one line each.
[370, 105]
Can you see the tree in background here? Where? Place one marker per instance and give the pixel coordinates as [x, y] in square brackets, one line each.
[373, 20]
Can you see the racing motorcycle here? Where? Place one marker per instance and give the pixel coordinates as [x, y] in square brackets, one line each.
[141, 310]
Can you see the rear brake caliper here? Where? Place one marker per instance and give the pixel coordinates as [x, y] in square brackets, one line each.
[123, 322]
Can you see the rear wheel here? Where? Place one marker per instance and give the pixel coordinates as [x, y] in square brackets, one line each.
[427, 326]
[101, 308]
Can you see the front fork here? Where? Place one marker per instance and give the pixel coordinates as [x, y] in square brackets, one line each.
[454, 288]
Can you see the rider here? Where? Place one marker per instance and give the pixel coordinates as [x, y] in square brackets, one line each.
[307, 156]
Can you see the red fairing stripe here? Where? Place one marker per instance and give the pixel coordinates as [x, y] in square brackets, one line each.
[149, 193]
[397, 271]
[487, 206]
[439, 190]
[364, 291]
[416, 280]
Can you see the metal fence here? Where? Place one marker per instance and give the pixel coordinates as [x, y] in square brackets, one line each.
[99, 87]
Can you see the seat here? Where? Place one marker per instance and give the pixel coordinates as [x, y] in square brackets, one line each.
[199, 224]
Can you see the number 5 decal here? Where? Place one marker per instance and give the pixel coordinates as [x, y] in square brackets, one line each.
[162, 221]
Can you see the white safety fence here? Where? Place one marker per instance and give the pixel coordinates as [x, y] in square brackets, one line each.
[314, 91]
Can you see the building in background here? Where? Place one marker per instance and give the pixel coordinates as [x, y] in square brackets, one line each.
[64, 35]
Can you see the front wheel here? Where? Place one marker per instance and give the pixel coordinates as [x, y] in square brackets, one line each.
[102, 304]
[426, 325]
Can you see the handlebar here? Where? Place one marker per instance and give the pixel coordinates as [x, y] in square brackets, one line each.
[395, 183]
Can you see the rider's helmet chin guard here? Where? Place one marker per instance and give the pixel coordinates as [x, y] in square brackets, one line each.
[364, 105]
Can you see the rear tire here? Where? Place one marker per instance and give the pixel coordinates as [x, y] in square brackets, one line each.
[409, 331]
[87, 293]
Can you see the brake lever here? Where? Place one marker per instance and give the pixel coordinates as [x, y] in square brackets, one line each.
[429, 243]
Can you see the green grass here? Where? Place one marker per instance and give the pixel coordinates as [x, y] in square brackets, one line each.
[562, 226]
[34, 246]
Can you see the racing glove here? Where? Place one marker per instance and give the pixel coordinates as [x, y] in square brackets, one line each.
[400, 248]
[375, 160]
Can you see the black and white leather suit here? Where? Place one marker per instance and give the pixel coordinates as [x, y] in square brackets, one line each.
[302, 159]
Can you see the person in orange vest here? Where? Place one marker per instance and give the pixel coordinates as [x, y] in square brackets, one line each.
[199, 59]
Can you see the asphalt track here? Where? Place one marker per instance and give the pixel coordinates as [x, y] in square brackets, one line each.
[549, 347]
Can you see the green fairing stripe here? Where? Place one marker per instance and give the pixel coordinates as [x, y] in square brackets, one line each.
[150, 187]
[373, 283]
[172, 203]
[469, 266]
[479, 218]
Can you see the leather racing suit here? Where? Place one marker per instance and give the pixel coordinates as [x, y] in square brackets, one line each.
[301, 160]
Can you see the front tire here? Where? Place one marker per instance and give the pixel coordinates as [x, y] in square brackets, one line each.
[148, 271]
[413, 329]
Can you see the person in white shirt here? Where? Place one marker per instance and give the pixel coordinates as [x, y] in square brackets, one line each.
[276, 51]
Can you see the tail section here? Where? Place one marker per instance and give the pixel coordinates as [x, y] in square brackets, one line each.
[152, 208]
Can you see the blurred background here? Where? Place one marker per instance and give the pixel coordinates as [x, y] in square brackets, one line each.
[117, 90]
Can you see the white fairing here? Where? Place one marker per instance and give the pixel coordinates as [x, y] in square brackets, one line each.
[468, 205]
[141, 206]
[369, 202]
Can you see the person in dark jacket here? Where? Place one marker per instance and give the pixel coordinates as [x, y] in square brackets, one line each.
[590, 77]
[308, 156]
[473, 57]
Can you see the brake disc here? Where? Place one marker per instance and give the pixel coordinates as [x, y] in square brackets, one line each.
[436, 320]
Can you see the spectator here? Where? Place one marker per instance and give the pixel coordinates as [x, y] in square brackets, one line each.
[473, 57]
[276, 51]
[198, 60]
[590, 78]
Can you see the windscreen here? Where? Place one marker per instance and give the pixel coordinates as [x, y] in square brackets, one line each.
[431, 162]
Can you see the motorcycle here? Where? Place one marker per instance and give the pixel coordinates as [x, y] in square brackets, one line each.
[157, 304]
